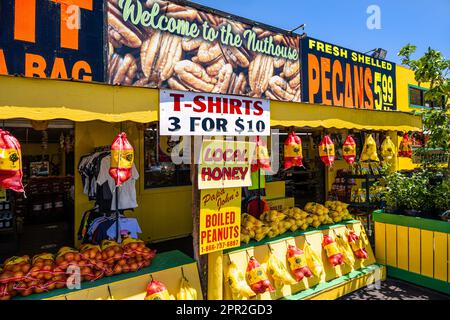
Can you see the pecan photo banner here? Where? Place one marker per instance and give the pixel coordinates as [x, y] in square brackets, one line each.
[160, 44]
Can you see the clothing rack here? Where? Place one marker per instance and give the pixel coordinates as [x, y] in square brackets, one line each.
[102, 148]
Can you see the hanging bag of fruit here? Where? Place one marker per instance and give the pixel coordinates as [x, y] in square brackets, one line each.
[293, 156]
[369, 151]
[349, 150]
[387, 149]
[10, 162]
[157, 291]
[257, 277]
[326, 151]
[122, 157]
[357, 245]
[335, 256]
[262, 159]
[298, 263]
[405, 148]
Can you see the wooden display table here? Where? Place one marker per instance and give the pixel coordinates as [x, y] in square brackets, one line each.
[166, 267]
[334, 283]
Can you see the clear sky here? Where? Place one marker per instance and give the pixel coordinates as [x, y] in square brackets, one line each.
[343, 22]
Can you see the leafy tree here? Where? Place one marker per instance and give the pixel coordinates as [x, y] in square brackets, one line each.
[432, 68]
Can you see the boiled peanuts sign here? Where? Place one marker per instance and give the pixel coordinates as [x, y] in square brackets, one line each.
[220, 219]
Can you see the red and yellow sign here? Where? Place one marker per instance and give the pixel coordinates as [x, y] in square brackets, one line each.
[220, 219]
[225, 164]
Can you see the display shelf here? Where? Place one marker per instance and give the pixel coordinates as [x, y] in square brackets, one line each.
[162, 261]
[289, 234]
[365, 205]
[7, 230]
[341, 286]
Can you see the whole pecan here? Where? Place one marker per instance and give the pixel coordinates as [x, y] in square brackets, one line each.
[159, 54]
[259, 73]
[193, 75]
[122, 70]
[238, 84]
[223, 79]
[120, 32]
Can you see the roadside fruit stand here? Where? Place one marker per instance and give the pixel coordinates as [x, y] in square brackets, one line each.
[259, 235]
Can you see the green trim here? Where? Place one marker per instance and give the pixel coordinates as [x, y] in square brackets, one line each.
[162, 261]
[335, 282]
[414, 106]
[289, 234]
[419, 279]
[412, 222]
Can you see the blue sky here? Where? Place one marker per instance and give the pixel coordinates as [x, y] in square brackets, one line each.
[420, 22]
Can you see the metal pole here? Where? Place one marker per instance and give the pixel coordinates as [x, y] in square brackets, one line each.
[117, 214]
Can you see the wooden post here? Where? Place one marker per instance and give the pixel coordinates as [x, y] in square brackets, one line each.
[202, 260]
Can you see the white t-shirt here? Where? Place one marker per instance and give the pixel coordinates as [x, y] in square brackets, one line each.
[127, 191]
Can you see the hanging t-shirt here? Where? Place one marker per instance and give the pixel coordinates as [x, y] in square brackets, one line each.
[126, 225]
[127, 191]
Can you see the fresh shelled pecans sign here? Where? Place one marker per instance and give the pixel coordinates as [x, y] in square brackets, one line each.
[207, 114]
[163, 44]
[52, 39]
[334, 75]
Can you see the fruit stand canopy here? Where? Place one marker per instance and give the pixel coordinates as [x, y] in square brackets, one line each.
[42, 99]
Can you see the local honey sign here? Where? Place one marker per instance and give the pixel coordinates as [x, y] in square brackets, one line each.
[337, 76]
[59, 39]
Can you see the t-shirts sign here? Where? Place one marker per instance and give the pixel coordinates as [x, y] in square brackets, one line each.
[199, 114]
[225, 164]
[220, 219]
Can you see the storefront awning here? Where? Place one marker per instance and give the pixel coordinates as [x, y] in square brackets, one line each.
[40, 99]
[307, 115]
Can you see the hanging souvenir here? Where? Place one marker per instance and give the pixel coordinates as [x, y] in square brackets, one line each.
[262, 159]
[349, 150]
[405, 148]
[122, 156]
[326, 151]
[293, 151]
[369, 151]
[387, 149]
[10, 162]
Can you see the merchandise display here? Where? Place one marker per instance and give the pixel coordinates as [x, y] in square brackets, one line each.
[293, 151]
[257, 277]
[298, 263]
[405, 148]
[122, 157]
[388, 150]
[326, 151]
[349, 150]
[236, 280]
[334, 254]
[45, 272]
[273, 223]
[10, 162]
[369, 151]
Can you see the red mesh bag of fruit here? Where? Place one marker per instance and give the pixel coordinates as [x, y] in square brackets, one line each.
[297, 263]
[357, 246]
[10, 162]
[157, 291]
[67, 256]
[257, 277]
[122, 157]
[335, 257]
[43, 266]
[293, 156]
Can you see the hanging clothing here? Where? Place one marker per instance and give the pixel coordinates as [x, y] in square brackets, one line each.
[127, 191]
[127, 226]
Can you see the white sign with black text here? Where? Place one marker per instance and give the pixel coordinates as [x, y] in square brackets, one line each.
[207, 114]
